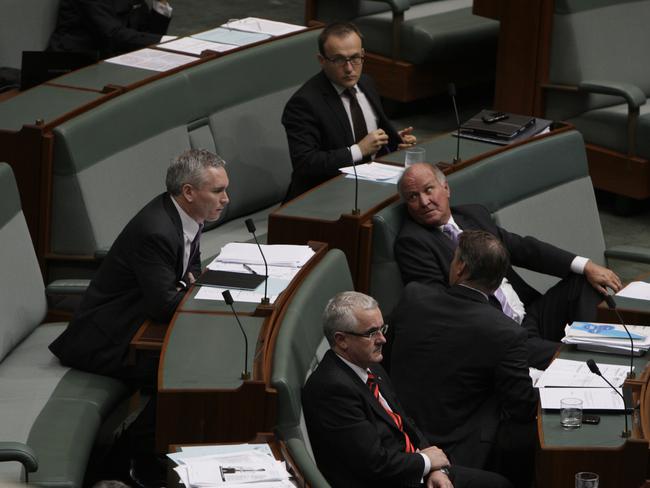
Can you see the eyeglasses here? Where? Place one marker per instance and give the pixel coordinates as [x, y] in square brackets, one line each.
[370, 333]
[355, 60]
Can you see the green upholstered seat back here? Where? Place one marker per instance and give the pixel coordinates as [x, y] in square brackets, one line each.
[597, 40]
[111, 160]
[22, 292]
[25, 25]
[299, 346]
[340, 10]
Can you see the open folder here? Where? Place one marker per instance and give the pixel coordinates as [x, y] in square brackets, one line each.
[230, 279]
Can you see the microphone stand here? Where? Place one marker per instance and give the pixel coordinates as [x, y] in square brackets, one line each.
[246, 375]
[250, 225]
[451, 88]
[611, 303]
[593, 367]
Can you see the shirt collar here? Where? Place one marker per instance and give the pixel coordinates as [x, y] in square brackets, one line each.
[476, 290]
[451, 221]
[361, 372]
[190, 226]
[340, 89]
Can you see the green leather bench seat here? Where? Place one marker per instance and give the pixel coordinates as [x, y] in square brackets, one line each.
[111, 160]
[433, 30]
[299, 347]
[541, 189]
[603, 43]
[50, 414]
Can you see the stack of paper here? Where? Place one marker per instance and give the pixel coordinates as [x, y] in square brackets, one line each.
[385, 173]
[244, 465]
[637, 289]
[610, 338]
[262, 26]
[276, 255]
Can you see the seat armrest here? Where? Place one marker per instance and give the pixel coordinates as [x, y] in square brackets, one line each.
[632, 94]
[636, 254]
[17, 451]
[66, 287]
[100, 254]
[397, 6]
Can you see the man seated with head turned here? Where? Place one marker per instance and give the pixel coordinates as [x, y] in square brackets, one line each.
[459, 364]
[360, 434]
[146, 272]
[425, 248]
[336, 118]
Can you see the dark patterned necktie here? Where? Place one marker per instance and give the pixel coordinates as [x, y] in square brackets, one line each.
[374, 389]
[358, 120]
[194, 247]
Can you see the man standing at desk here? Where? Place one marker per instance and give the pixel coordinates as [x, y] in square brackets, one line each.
[359, 432]
[146, 272]
[426, 243]
[109, 27]
[460, 364]
[336, 117]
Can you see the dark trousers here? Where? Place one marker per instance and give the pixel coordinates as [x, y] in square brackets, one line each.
[571, 299]
[463, 477]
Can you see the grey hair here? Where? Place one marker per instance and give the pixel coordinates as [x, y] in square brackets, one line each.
[437, 172]
[189, 167]
[339, 314]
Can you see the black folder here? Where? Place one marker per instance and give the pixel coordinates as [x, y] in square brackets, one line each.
[230, 279]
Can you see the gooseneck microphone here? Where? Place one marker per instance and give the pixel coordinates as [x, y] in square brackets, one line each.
[246, 375]
[451, 89]
[250, 225]
[355, 210]
[593, 367]
[612, 306]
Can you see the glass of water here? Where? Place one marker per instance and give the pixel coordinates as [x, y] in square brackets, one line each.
[570, 413]
[414, 155]
[585, 479]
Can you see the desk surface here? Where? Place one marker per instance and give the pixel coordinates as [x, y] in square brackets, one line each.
[605, 434]
[97, 76]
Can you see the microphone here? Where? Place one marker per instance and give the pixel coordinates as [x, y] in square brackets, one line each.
[593, 367]
[250, 225]
[612, 306]
[246, 375]
[355, 210]
[451, 89]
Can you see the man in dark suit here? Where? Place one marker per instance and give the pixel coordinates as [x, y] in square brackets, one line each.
[146, 272]
[109, 27]
[425, 247]
[336, 117]
[460, 366]
[360, 435]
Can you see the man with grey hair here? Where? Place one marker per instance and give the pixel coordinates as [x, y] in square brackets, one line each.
[360, 435]
[425, 247]
[146, 272]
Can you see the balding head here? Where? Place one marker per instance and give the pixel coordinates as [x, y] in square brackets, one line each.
[424, 189]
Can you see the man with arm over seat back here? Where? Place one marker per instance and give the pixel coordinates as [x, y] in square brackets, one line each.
[147, 270]
[360, 435]
[460, 364]
[336, 117]
[426, 243]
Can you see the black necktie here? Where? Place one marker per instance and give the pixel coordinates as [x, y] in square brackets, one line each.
[358, 120]
[194, 247]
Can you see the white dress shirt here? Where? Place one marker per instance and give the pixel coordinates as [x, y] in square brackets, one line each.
[190, 229]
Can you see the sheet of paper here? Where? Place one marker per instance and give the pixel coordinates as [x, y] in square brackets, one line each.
[375, 171]
[224, 35]
[152, 59]
[592, 398]
[275, 287]
[195, 46]
[188, 452]
[276, 255]
[637, 289]
[263, 26]
[566, 372]
[234, 469]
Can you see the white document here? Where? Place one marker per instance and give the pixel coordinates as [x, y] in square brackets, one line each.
[282, 272]
[565, 372]
[637, 289]
[592, 398]
[375, 172]
[263, 26]
[225, 35]
[152, 59]
[195, 46]
[276, 255]
[188, 452]
[607, 337]
[234, 469]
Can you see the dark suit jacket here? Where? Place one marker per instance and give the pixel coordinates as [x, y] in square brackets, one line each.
[136, 281]
[425, 254]
[460, 367]
[319, 131]
[106, 26]
[355, 442]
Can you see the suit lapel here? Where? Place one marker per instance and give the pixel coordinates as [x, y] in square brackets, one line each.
[176, 220]
[333, 101]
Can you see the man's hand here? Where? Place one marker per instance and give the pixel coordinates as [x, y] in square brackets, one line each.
[438, 479]
[408, 139]
[373, 142]
[437, 457]
[601, 278]
[190, 278]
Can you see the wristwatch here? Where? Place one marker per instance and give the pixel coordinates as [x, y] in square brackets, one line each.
[445, 471]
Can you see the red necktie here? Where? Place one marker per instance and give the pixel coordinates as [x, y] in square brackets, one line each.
[374, 388]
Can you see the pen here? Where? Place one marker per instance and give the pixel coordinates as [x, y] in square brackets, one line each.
[250, 269]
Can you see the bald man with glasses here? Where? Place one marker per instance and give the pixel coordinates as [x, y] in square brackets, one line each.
[336, 117]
